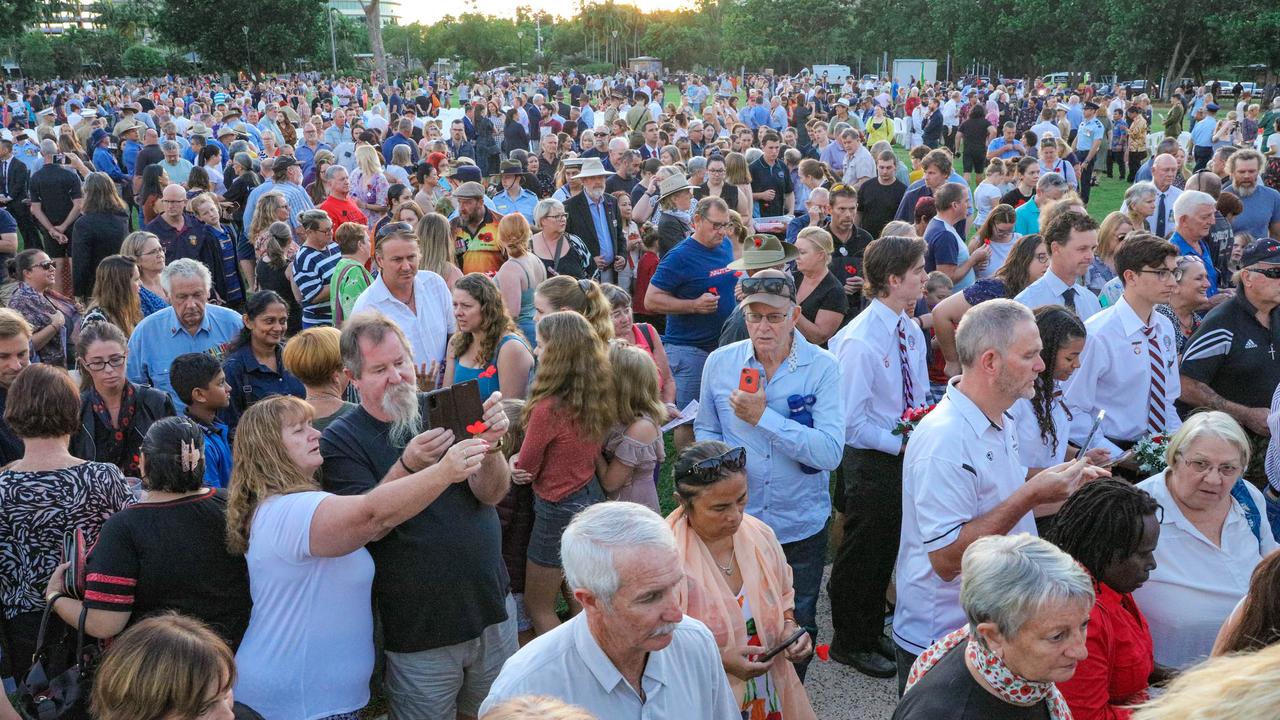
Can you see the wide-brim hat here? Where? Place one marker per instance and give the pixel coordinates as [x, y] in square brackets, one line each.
[129, 126]
[511, 167]
[592, 167]
[231, 130]
[199, 129]
[97, 137]
[671, 185]
[764, 251]
[231, 112]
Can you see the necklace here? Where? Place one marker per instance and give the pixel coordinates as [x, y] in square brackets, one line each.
[726, 569]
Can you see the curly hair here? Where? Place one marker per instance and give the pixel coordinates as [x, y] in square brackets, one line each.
[1058, 326]
[574, 371]
[259, 470]
[494, 320]
[1101, 524]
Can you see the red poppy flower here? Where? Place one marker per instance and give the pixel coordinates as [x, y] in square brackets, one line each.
[477, 427]
[759, 242]
[851, 269]
[714, 291]
[823, 652]
[489, 372]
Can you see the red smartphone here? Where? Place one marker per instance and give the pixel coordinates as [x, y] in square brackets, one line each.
[749, 381]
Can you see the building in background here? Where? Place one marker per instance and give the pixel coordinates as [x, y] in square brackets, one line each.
[390, 10]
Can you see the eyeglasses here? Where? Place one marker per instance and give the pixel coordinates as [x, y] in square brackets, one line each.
[754, 318]
[706, 470]
[1163, 274]
[393, 228]
[554, 216]
[157, 252]
[1200, 467]
[621, 312]
[114, 361]
[719, 226]
[1271, 273]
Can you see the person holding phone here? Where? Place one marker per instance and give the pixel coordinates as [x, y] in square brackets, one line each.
[750, 610]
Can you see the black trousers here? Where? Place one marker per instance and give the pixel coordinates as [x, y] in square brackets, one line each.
[864, 561]
[1086, 178]
[1135, 163]
[1114, 158]
[905, 661]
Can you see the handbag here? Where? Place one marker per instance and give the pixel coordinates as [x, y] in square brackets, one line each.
[64, 696]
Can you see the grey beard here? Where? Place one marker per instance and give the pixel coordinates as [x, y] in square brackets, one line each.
[1241, 191]
[401, 403]
[594, 195]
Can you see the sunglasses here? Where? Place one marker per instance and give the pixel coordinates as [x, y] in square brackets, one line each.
[46, 265]
[1271, 273]
[770, 285]
[395, 227]
[704, 471]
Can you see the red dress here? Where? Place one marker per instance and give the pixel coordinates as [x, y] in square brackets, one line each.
[1119, 663]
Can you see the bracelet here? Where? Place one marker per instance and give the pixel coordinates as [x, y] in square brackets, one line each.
[49, 601]
[498, 447]
[789, 615]
[405, 465]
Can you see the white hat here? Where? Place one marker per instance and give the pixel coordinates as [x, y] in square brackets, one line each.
[592, 167]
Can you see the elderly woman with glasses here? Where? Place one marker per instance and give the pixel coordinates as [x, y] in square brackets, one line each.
[562, 252]
[1214, 533]
[737, 582]
[1183, 309]
[1028, 606]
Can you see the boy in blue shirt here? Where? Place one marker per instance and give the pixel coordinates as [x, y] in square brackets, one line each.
[199, 381]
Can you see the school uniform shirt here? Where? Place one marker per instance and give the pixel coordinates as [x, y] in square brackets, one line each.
[1034, 449]
[867, 352]
[1196, 583]
[959, 466]
[1115, 375]
[1051, 290]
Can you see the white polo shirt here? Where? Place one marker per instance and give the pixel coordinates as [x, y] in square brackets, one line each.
[1197, 584]
[959, 466]
[428, 325]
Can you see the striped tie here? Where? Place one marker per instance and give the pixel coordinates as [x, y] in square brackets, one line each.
[908, 394]
[1155, 399]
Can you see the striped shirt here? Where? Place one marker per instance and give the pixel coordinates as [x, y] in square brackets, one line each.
[312, 270]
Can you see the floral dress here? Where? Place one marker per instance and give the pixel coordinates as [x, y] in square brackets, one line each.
[759, 695]
[373, 190]
[37, 309]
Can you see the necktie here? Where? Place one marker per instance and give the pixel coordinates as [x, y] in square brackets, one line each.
[4, 178]
[1155, 399]
[1069, 297]
[1160, 215]
[908, 392]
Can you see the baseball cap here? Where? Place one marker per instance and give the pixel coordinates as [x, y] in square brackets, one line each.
[1265, 250]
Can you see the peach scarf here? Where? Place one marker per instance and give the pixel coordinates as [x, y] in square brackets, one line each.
[766, 579]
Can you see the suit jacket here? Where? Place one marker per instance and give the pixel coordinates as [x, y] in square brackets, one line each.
[582, 225]
[1173, 121]
[19, 179]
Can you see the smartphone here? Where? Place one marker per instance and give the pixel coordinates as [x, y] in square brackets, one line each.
[749, 381]
[1093, 432]
[773, 652]
[1126, 455]
[59, 159]
[455, 408]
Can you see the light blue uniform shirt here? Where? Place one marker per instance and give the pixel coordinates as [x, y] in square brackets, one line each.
[795, 504]
[524, 203]
[1090, 131]
[1202, 132]
[160, 338]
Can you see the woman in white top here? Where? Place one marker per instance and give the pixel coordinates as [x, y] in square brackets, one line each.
[308, 652]
[1213, 534]
[988, 193]
[996, 233]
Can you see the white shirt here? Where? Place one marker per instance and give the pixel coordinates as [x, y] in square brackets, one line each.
[1197, 584]
[1115, 375]
[867, 352]
[1045, 128]
[950, 114]
[1170, 196]
[959, 466]
[308, 651]
[568, 664]
[1034, 450]
[429, 327]
[859, 165]
[999, 254]
[1049, 289]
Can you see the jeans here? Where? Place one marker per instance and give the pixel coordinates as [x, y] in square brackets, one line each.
[1273, 509]
[807, 559]
[686, 368]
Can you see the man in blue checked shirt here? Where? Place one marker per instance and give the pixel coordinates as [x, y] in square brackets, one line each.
[788, 462]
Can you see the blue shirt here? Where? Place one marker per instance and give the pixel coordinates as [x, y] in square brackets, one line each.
[398, 139]
[312, 271]
[524, 204]
[1000, 142]
[793, 503]
[217, 453]
[252, 381]
[298, 199]
[1089, 132]
[945, 247]
[1261, 209]
[600, 219]
[129, 153]
[105, 162]
[160, 338]
[1075, 115]
[306, 155]
[29, 153]
[1184, 248]
[759, 116]
[686, 272]
[1202, 132]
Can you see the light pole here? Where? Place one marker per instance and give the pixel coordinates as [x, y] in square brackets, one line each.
[616, 54]
[520, 61]
[333, 46]
[248, 53]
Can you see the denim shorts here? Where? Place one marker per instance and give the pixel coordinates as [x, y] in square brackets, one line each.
[686, 368]
[551, 518]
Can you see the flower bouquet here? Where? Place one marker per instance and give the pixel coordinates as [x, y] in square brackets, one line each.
[1148, 453]
[910, 418]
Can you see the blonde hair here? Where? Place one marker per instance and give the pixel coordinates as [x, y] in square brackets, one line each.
[819, 237]
[573, 372]
[135, 241]
[514, 234]
[583, 297]
[367, 161]
[1213, 423]
[314, 355]
[898, 228]
[162, 668]
[736, 171]
[1107, 242]
[537, 707]
[264, 213]
[435, 243]
[1224, 688]
[639, 395]
[259, 470]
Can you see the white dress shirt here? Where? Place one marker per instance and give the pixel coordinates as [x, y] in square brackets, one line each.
[1048, 290]
[430, 322]
[959, 466]
[683, 680]
[867, 352]
[1034, 450]
[1169, 196]
[1115, 375]
[1197, 584]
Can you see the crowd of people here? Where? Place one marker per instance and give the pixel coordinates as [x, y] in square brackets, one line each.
[315, 390]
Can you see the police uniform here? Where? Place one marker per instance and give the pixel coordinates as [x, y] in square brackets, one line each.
[1091, 130]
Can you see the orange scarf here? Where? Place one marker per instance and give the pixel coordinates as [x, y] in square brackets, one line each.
[766, 580]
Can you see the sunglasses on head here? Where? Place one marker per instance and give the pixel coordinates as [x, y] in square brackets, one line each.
[1271, 273]
[771, 285]
[395, 227]
[704, 471]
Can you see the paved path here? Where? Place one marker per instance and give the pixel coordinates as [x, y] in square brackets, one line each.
[839, 692]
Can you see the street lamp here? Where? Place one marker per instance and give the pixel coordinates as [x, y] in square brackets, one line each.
[520, 60]
[247, 51]
[617, 55]
[333, 47]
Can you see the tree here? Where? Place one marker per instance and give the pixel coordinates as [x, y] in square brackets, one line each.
[35, 55]
[258, 34]
[130, 18]
[16, 14]
[144, 61]
[373, 19]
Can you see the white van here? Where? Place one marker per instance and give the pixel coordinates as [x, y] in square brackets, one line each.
[1057, 78]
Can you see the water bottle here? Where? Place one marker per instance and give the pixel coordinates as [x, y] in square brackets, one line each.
[801, 410]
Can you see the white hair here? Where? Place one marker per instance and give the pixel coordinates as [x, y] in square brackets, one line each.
[1189, 201]
[545, 206]
[595, 535]
[1007, 579]
[989, 326]
[185, 268]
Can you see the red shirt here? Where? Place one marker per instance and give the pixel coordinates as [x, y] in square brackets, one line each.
[342, 211]
[644, 273]
[556, 453]
[1119, 663]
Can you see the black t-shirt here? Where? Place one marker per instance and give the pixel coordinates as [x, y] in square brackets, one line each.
[155, 557]
[774, 177]
[728, 193]
[55, 187]
[148, 155]
[879, 203]
[439, 578]
[846, 262]
[1234, 354]
[974, 129]
[829, 295]
[1015, 198]
[614, 183]
[799, 120]
[949, 691]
